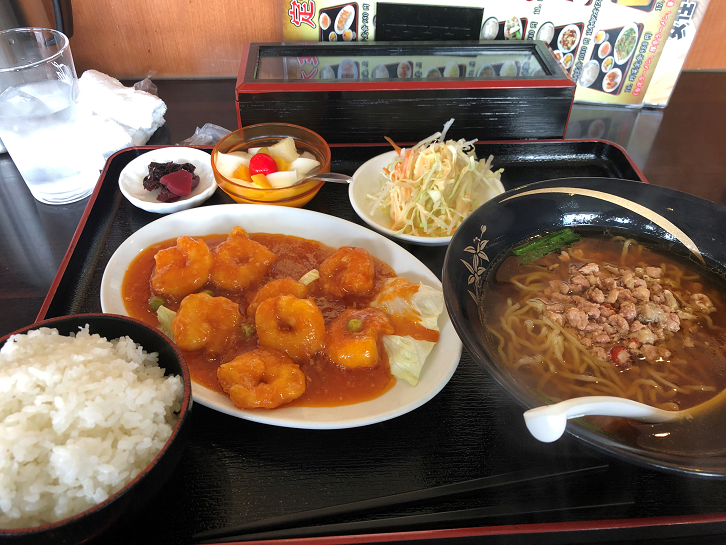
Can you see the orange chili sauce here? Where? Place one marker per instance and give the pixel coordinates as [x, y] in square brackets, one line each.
[327, 384]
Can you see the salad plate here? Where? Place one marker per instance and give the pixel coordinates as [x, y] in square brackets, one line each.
[131, 179]
[401, 399]
[366, 182]
[424, 192]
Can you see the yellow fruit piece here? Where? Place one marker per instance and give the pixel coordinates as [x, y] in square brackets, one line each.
[262, 181]
[282, 164]
[242, 173]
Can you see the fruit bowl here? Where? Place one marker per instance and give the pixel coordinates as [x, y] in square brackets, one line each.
[264, 135]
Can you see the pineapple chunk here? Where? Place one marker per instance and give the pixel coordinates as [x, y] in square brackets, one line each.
[282, 178]
[303, 166]
[284, 149]
[227, 163]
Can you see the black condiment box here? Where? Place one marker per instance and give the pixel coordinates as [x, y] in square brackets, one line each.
[361, 92]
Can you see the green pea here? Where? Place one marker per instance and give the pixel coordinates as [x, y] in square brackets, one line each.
[155, 302]
[355, 325]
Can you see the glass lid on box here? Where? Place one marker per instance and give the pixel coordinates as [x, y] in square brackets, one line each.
[382, 61]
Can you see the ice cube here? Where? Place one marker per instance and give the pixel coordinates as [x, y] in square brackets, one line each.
[14, 102]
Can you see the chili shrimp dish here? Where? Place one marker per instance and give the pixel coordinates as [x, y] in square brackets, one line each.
[288, 317]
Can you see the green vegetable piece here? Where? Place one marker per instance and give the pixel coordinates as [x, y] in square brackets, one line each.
[309, 277]
[355, 325]
[166, 317]
[155, 302]
[547, 244]
[248, 330]
[208, 292]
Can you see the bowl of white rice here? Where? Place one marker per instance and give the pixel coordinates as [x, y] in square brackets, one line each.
[92, 421]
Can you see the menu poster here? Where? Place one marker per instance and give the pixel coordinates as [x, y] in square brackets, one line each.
[689, 17]
[622, 44]
[610, 48]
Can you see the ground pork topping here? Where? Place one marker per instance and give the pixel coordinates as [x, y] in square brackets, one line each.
[627, 309]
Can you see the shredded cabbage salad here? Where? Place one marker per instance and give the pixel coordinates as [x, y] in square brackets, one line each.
[432, 187]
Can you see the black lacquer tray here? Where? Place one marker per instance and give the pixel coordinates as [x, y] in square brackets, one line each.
[235, 471]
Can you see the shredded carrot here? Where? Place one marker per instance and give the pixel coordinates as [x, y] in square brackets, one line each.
[406, 162]
[432, 187]
[398, 150]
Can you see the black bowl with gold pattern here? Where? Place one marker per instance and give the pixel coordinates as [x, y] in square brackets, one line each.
[682, 226]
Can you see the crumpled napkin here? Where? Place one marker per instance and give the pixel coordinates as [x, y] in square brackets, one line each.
[116, 116]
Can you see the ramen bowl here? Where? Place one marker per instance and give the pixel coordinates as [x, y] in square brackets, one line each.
[132, 497]
[676, 225]
[267, 134]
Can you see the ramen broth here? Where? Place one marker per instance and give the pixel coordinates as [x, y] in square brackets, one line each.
[561, 360]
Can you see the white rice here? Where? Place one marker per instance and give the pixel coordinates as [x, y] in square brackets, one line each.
[80, 417]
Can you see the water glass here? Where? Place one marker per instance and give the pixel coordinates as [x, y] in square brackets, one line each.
[38, 120]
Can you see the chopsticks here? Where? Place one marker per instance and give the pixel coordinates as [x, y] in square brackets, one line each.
[569, 468]
[423, 521]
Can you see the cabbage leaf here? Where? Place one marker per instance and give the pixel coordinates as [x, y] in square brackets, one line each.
[166, 317]
[423, 306]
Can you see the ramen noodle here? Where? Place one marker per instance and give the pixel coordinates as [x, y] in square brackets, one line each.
[609, 317]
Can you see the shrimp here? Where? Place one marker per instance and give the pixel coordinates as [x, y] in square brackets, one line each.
[240, 262]
[263, 378]
[182, 269]
[206, 322]
[353, 337]
[295, 326]
[348, 271]
[283, 286]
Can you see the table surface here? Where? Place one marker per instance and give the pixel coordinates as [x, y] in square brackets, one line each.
[680, 147]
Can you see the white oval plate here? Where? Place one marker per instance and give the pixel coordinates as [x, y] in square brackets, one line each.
[399, 400]
[589, 73]
[560, 46]
[365, 182]
[131, 179]
[348, 22]
[489, 29]
[347, 69]
[546, 32]
[618, 80]
[509, 69]
[635, 45]
[567, 61]
[603, 67]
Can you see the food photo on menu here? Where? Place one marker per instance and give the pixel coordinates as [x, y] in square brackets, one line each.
[338, 23]
[611, 58]
[563, 40]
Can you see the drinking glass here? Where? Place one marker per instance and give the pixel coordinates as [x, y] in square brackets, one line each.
[38, 120]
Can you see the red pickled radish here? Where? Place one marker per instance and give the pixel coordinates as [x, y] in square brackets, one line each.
[179, 182]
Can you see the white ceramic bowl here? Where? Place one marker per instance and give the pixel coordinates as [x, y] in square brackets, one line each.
[131, 179]
[365, 182]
